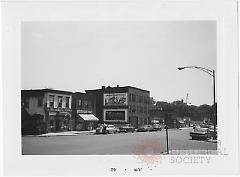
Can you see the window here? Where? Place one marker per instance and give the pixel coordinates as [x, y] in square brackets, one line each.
[145, 100]
[133, 98]
[141, 109]
[67, 102]
[84, 104]
[133, 108]
[145, 110]
[40, 102]
[89, 105]
[130, 97]
[79, 103]
[59, 101]
[130, 108]
[115, 115]
[51, 100]
[140, 99]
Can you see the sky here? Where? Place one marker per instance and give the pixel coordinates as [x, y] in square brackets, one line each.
[76, 56]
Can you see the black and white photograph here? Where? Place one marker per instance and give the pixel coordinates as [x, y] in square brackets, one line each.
[107, 88]
[121, 88]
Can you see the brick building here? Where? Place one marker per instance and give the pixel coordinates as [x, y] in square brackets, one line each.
[118, 105]
[47, 109]
[84, 111]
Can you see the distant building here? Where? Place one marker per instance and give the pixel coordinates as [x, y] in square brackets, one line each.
[84, 111]
[47, 110]
[156, 116]
[117, 105]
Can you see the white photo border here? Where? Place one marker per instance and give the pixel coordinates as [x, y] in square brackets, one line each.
[224, 12]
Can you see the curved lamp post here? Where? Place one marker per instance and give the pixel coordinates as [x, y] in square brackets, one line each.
[212, 73]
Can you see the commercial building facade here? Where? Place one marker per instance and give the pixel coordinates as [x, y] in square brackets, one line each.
[84, 111]
[119, 105]
[52, 109]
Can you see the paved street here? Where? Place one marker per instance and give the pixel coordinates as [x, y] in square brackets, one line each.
[113, 144]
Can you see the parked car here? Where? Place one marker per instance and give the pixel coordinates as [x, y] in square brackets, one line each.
[145, 128]
[156, 127]
[106, 129]
[127, 128]
[201, 134]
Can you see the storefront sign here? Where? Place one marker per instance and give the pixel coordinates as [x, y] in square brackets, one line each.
[115, 99]
[59, 109]
[115, 115]
[52, 113]
[84, 112]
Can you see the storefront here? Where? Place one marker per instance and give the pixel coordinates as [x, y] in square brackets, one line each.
[60, 121]
[86, 122]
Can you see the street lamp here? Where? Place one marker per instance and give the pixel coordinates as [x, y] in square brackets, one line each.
[212, 73]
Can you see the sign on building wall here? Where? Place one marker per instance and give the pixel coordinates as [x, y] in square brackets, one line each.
[115, 99]
[84, 112]
[119, 115]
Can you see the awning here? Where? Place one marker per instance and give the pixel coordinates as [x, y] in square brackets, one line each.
[88, 117]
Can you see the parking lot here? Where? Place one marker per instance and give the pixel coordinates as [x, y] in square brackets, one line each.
[114, 144]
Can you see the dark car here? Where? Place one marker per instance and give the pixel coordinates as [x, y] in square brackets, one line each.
[201, 134]
[127, 128]
[145, 128]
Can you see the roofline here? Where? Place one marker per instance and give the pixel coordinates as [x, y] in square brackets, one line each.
[48, 91]
[120, 88]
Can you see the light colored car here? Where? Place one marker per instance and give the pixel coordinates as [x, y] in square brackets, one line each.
[157, 127]
[145, 128]
[106, 129]
[126, 128]
[201, 134]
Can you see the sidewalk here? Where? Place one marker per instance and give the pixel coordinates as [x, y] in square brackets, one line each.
[67, 133]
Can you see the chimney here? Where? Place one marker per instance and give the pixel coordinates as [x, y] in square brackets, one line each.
[117, 85]
[103, 87]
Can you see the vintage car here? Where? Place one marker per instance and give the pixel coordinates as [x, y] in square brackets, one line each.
[201, 134]
[145, 128]
[106, 129]
[127, 128]
[156, 127]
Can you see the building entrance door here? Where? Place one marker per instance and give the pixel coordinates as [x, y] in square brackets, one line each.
[58, 125]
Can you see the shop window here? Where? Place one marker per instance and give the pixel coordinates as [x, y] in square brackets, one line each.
[51, 100]
[67, 102]
[51, 123]
[59, 101]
